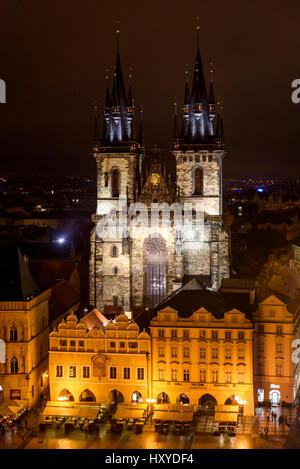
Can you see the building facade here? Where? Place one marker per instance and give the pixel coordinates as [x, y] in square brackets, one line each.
[101, 365]
[272, 353]
[142, 261]
[25, 332]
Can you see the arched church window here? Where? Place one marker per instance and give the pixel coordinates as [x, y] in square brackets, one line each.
[106, 179]
[115, 182]
[14, 366]
[198, 181]
[114, 251]
[13, 334]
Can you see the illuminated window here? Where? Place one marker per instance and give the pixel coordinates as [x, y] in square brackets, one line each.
[173, 374]
[202, 376]
[14, 365]
[241, 377]
[113, 372]
[85, 371]
[59, 371]
[214, 375]
[241, 354]
[186, 334]
[214, 353]
[202, 352]
[140, 373]
[227, 354]
[126, 373]
[228, 376]
[161, 352]
[186, 352]
[161, 333]
[173, 352]
[161, 374]
[186, 375]
[72, 371]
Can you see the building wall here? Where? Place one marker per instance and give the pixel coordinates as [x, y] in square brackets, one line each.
[272, 352]
[93, 349]
[31, 320]
[194, 352]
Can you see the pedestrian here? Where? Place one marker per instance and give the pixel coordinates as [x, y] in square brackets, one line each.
[23, 433]
[268, 416]
[275, 416]
[13, 430]
[26, 424]
[266, 432]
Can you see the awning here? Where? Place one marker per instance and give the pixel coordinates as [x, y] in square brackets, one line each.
[173, 416]
[70, 412]
[127, 413]
[163, 415]
[226, 417]
[133, 405]
[12, 407]
[175, 407]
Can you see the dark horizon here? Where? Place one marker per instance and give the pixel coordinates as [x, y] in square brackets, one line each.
[54, 58]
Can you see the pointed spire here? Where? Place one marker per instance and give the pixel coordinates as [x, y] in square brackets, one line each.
[211, 96]
[96, 136]
[199, 89]
[187, 97]
[175, 129]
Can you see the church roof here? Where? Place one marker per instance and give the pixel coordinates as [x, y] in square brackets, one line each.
[16, 281]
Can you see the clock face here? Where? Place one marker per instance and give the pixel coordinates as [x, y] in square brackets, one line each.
[155, 177]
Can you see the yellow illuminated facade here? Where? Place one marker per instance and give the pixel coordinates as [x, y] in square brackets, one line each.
[101, 365]
[202, 360]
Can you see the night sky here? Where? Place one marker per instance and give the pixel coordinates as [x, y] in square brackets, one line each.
[54, 53]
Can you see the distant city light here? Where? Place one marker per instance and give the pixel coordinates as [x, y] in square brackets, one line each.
[61, 240]
[260, 190]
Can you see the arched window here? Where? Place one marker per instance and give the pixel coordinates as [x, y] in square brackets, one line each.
[197, 183]
[115, 270]
[14, 366]
[114, 251]
[115, 182]
[4, 333]
[13, 334]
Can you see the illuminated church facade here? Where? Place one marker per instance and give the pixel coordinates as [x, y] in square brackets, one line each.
[141, 264]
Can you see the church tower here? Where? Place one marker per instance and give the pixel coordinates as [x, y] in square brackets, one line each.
[117, 156]
[199, 150]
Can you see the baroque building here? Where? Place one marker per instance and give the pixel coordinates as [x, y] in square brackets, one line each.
[142, 260]
[24, 331]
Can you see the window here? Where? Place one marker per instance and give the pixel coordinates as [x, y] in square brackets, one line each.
[261, 346]
[115, 272]
[173, 352]
[140, 373]
[278, 369]
[161, 374]
[106, 179]
[161, 333]
[72, 371]
[126, 373]
[132, 344]
[261, 328]
[173, 334]
[186, 375]
[202, 334]
[210, 158]
[241, 376]
[59, 371]
[112, 344]
[279, 330]
[214, 375]
[161, 352]
[214, 335]
[202, 352]
[63, 343]
[85, 371]
[241, 354]
[186, 352]
[122, 344]
[241, 336]
[113, 372]
[202, 376]
[279, 347]
[32, 391]
[115, 183]
[173, 374]
[214, 353]
[227, 335]
[198, 181]
[13, 334]
[115, 300]
[228, 376]
[186, 334]
[81, 343]
[114, 251]
[15, 394]
[72, 343]
[14, 365]
[227, 354]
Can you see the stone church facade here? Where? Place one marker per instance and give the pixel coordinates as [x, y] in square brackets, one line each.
[144, 260]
